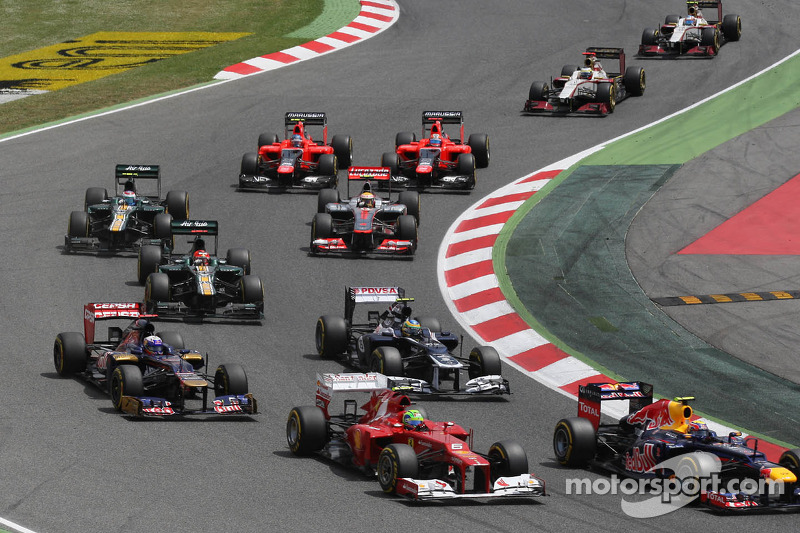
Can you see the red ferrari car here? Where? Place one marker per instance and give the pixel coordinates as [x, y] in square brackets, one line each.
[412, 457]
[437, 160]
[298, 161]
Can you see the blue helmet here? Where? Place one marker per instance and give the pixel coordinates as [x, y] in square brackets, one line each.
[436, 140]
[297, 140]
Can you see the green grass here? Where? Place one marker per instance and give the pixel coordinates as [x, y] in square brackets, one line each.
[32, 24]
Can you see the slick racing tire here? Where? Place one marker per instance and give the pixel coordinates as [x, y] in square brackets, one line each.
[239, 257]
[391, 161]
[178, 204]
[230, 379]
[387, 361]
[325, 197]
[431, 323]
[672, 19]
[634, 81]
[466, 167]
[567, 70]
[70, 353]
[410, 199]
[126, 380]
[696, 466]
[479, 143]
[266, 139]
[149, 259]
[484, 361]
[404, 137]
[156, 289]
[508, 458]
[396, 461]
[791, 459]
[607, 94]
[343, 148]
[173, 339]
[407, 229]
[306, 430]
[252, 290]
[328, 165]
[94, 196]
[538, 91]
[78, 224]
[331, 336]
[732, 27]
[710, 37]
[162, 228]
[574, 442]
[249, 165]
[649, 37]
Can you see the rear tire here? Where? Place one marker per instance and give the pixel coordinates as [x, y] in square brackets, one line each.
[230, 379]
[671, 19]
[404, 137]
[94, 196]
[162, 227]
[479, 143]
[173, 339]
[634, 81]
[430, 323]
[574, 442]
[78, 224]
[149, 260]
[306, 430]
[266, 139]
[178, 204]
[70, 353]
[567, 70]
[484, 361]
[411, 200]
[325, 197]
[126, 380]
[387, 361]
[343, 148]
[239, 257]
[331, 336]
[396, 461]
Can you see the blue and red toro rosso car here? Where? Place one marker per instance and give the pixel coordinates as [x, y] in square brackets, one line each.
[148, 374]
[391, 439]
[654, 432]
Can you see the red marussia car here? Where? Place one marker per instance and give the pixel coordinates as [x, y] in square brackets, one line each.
[298, 161]
[432, 461]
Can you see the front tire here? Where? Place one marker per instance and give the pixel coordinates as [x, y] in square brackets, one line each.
[70, 353]
[331, 336]
[343, 148]
[634, 81]
[508, 459]
[156, 289]
[327, 165]
[411, 200]
[479, 143]
[484, 361]
[78, 224]
[306, 430]
[407, 228]
[607, 94]
[149, 260]
[249, 165]
[732, 27]
[230, 379]
[162, 227]
[252, 290]
[574, 442]
[391, 161]
[649, 37]
[538, 91]
[466, 167]
[178, 204]
[396, 461]
[239, 257]
[710, 37]
[126, 380]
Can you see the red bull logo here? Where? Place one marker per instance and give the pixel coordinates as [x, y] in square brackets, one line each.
[640, 460]
[656, 415]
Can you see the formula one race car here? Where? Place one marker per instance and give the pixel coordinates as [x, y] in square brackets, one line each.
[436, 160]
[413, 351]
[587, 90]
[366, 223]
[297, 161]
[198, 283]
[412, 457]
[654, 432]
[147, 373]
[136, 215]
[692, 35]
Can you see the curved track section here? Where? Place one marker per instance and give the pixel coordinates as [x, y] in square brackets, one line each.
[70, 460]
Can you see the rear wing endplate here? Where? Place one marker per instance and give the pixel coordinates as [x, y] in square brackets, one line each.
[591, 395]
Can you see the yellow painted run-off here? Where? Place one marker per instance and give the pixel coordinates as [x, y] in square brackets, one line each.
[98, 55]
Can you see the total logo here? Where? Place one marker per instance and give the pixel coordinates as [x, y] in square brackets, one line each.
[588, 409]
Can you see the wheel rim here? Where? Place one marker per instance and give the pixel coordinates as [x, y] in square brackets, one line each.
[561, 443]
[293, 431]
[319, 338]
[116, 390]
[385, 471]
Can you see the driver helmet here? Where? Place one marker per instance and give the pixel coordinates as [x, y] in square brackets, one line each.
[585, 74]
[413, 419]
[436, 140]
[297, 140]
[200, 257]
[153, 345]
[411, 328]
[698, 429]
[689, 21]
[367, 199]
[129, 197]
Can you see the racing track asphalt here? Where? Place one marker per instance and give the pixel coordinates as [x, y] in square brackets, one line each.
[70, 463]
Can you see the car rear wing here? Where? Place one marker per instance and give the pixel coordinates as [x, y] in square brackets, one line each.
[92, 312]
[609, 53]
[195, 227]
[357, 295]
[131, 174]
[429, 118]
[591, 395]
[369, 174]
[710, 4]
[308, 118]
[329, 383]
